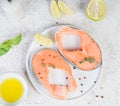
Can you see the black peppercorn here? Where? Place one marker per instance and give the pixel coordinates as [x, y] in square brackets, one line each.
[9, 0]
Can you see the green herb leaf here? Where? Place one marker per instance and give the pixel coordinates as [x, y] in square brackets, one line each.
[53, 67]
[43, 64]
[5, 47]
[81, 62]
[49, 65]
[16, 40]
[88, 59]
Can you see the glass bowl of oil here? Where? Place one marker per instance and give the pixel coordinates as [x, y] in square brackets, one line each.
[13, 89]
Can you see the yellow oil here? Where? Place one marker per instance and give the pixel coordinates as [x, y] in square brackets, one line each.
[11, 90]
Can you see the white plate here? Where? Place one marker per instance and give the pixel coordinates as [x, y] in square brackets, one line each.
[85, 79]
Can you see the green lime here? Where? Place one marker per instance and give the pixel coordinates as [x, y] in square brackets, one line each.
[96, 10]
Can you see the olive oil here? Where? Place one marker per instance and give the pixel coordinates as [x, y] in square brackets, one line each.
[11, 90]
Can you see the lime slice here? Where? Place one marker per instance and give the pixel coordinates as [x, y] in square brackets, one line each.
[65, 8]
[43, 40]
[96, 10]
[55, 10]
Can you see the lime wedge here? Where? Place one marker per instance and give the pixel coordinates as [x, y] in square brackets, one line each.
[65, 8]
[55, 10]
[43, 40]
[96, 10]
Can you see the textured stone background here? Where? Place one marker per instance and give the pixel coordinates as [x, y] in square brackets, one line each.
[106, 33]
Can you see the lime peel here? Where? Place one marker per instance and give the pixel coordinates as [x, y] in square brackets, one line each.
[96, 10]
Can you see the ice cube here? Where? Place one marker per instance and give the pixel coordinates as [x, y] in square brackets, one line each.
[57, 76]
[71, 42]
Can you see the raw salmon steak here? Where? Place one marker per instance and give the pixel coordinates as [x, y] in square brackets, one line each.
[46, 59]
[85, 53]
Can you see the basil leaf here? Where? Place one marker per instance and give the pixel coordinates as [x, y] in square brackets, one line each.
[5, 47]
[16, 40]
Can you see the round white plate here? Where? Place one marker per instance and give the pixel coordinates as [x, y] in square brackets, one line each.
[85, 79]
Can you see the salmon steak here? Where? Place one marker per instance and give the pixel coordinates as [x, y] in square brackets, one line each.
[79, 48]
[47, 59]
